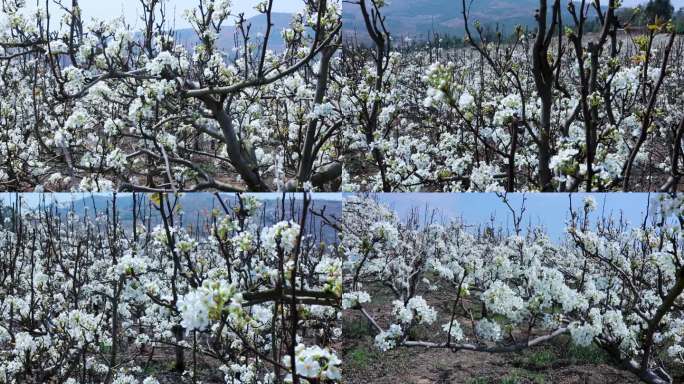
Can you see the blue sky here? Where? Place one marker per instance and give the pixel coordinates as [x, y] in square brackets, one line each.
[546, 209]
[131, 8]
[32, 199]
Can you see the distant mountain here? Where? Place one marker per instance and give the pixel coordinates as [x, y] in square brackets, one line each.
[227, 38]
[418, 18]
[632, 3]
[196, 209]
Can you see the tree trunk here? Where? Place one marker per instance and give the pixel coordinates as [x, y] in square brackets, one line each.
[178, 333]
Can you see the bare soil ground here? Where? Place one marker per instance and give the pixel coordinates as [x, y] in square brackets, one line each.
[558, 362]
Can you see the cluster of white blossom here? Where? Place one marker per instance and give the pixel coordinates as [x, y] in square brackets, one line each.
[416, 310]
[315, 362]
[454, 330]
[209, 302]
[353, 299]
[390, 338]
[488, 329]
[130, 264]
[282, 235]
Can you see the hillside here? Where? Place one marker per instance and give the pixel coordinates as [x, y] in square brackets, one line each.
[417, 18]
[197, 207]
[227, 38]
